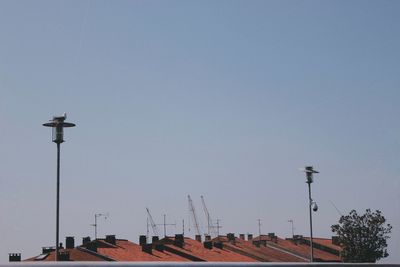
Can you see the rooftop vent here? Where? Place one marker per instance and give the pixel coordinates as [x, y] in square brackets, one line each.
[12, 257]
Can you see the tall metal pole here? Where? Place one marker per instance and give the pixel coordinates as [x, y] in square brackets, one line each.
[311, 230]
[95, 226]
[58, 202]
[58, 123]
[165, 227]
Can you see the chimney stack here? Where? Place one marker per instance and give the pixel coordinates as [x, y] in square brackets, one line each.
[249, 237]
[85, 240]
[198, 238]
[13, 257]
[69, 242]
[111, 239]
[179, 240]
[241, 236]
[231, 237]
[142, 240]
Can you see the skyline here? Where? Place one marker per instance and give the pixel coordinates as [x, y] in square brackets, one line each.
[224, 99]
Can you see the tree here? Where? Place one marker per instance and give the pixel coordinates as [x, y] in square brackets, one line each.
[363, 237]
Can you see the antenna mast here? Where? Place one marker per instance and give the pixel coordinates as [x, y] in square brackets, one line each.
[98, 215]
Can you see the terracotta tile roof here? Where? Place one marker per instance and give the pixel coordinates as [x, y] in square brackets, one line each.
[326, 242]
[125, 250]
[196, 252]
[264, 254]
[75, 254]
[301, 248]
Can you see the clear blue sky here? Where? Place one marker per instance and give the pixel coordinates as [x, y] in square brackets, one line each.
[225, 99]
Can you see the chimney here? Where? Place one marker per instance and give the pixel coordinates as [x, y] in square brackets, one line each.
[249, 237]
[155, 239]
[198, 238]
[142, 240]
[231, 237]
[85, 240]
[335, 240]
[219, 245]
[207, 238]
[63, 256]
[271, 235]
[13, 257]
[179, 240]
[110, 239]
[241, 236]
[147, 248]
[208, 244]
[69, 242]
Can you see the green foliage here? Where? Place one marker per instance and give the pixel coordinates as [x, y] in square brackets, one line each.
[363, 237]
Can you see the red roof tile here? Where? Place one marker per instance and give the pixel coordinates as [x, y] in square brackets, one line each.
[301, 249]
[196, 250]
[75, 254]
[125, 250]
[265, 254]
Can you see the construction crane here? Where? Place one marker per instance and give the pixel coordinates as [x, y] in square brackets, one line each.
[193, 213]
[210, 226]
[152, 223]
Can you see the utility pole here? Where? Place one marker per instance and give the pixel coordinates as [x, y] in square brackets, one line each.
[259, 231]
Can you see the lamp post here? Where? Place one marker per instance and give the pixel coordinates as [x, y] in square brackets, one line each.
[58, 124]
[309, 174]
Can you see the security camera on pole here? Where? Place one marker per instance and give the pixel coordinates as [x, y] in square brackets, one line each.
[312, 204]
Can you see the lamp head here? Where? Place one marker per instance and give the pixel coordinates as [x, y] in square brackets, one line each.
[309, 170]
[58, 123]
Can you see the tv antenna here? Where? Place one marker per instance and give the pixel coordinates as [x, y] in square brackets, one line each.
[98, 215]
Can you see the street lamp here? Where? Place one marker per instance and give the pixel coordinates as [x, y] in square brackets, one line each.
[58, 124]
[312, 204]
